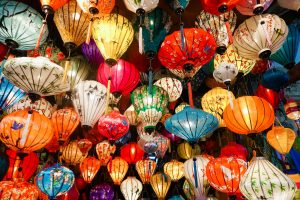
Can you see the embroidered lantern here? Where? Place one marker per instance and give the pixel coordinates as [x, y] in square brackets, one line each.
[104, 151]
[18, 190]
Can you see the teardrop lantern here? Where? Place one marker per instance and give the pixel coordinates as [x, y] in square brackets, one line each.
[71, 153]
[131, 188]
[104, 151]
[253, 7]
[131, 152]
[117, 169]
[172, 86]
[174, 169]
[145, 169]
[160, 183]
[89, 168]
[84, 146]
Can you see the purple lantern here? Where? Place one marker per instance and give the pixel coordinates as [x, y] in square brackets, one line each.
[103, 191]
[92, 53]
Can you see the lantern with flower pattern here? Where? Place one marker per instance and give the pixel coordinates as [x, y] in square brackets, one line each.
[104, 151]
[89, 168]
[117, 169]
[172, 86]
[163, 144]
[131, 115]
[18, 190]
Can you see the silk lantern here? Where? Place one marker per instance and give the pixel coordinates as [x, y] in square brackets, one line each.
[71, 153]
[117, 169]
[131, 188]
[256, 39]
[131, 115]
[217, 7]
[253, 7]
[274, 79]
[267, 182]
[225, 73]
[18, 190]
[50, 6]
[187, 188]
[145, 169]
[148, 145]
[269, 95]
[290, 4]
[172, 86]
[92, 53]
[103, 191]
[104, 151]
[235, 150]
[160, 183]
[174, 169]
[186, 151]
[292, 109]
[131, 152]
[250, 114]
[89, 168]
[163, 144]
[281, 139]
[84, 146]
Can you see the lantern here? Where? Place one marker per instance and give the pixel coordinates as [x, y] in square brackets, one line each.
[269, 95]
[256, 39]
[80, 183]
[104, 151]
[55, 180]
[173, 138]
[186, 151]
[290, 4]
[131, 115]
[260, 66]
[89, 100]
[160, 183]
[174, 169]
[188, 190]
[18, 190]
[220, 27]
[235, 150]
[163, 144]
[267, 182]
[117, 169]
[92, 53]
[72, 194]
[50, 6]
[131, 152]
[215, 102]
[250, 114]
[71, 153]
[253, 7]
[148, 145]
[224, 174]
[194, 172]
[53, 145]
[292, 109]
[103, 191]
[143, 134]
[95, 7]
[192, 124]
[89, 168]
[217, 7]
[113, 34]
[93, 135]
[64, 123]
[145, 169]
[281, 139]
[131, 188]
[123, 140]
[181, 106]
[275, 79]
[225, 73]
[172, 86]
[84, 146]
[25, 131]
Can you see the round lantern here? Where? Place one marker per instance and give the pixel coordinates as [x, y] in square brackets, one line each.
[163, 144]
[260, 36]
[131, 152]
[160, 183]
[174, 169]
[104, 151]
[269, 95]
[215, 102]
[145, 169]
[186, 151]
[64, 123]
[25, 131]
[281, 139]
[84, 146]
[274, 79]
[131, 188]
[172, 86]
[253, 7]
[235, 150]
[103, 191]
[292, 109]
[217, 7]
[18, 190]
[71, 153]
[289, 4]
[92, 53]
[55, 181]
[250, 114]
[225, 73]
[131, 115]
[267, 182]
[224, 174]
[89, 168]
[117, 169]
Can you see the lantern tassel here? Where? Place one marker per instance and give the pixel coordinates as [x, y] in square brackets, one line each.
[195, 173]
[190, 91]
[141, 42]
[229, 33]
[42, 30]
[26, 130]
[89, 33]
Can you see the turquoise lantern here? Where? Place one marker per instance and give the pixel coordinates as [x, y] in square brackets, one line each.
[191, 124]
[55, 181]
[288, 55]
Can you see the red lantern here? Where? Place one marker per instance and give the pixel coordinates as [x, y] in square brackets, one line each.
[233, 149]
[80, 183]
[269, 95]
[72, 194]
[218, 7]
[132, 152]
[21, 168]
[93, 135]
[260, 66]
[3, 50]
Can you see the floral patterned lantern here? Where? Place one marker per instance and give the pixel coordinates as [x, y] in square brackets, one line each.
[92, 53]
[174, 169]
[235, 150]
[269, 95]
[71, 153]
[131, 152]
[160, 183]
[104, 151]
[186, 151]
[217, 7]
[145, 169]
[172, 86]
[117, 169]
[84, 146]
[253, 7]
[89, 168]
[103, 191]
[131, 115]
[163, 144]
[225, 73]
[18, 190]
[131, 188]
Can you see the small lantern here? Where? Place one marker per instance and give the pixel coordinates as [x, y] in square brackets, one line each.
[145, 169]
[104, 151]
[281, 139]
[160, 183]
[89, 168]
[131, 188]
[131, 152]
[117, 169]
[174, 169]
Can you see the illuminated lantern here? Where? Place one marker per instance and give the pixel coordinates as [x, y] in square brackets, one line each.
[149, 106]
[89, 168]
[21, 167]
[92, 53]
[253, 7]
[117, 169]
[131, 115]
[103, 191]
[113, 34]
[71, 153]
[260, 66]
[192, 124]
[274, 79]
[188, 190]
[281, 139]
[172, 86]
[250, 114]
[131, 152]
[269, 95]
[104, 151]
[50, 6]
[89, 101]
[53, 145]
[267, 183]
[215, 102]
[224, 174]
[131, 188]
[220, 27]
[235, 150]
[143, 134]
[64, 123]
[163, 144]
[186, 151]
[145, 169]
[256, 39]
[25, 131]
[225, 73]
[217, 7]
[289, 4]
[174, 169]
[84, 146]
[292, 109]
[55, 180]
[194, 172]
[180, 107]
[18, 190]
[72, 194]
[148, 145]
[160, 183]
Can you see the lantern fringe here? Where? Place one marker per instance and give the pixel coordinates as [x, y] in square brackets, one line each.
[42, 30]
[26, 131]
[89, 33]
[190, 91]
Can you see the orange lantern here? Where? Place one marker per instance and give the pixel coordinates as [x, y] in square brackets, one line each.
[174, 169]
[281, 139]
[25, 131]
[89, 168]
[49, 6]
[145, 169]
[64, 123]
[250, 114]
[71, 153]
[18, 190]
[53, 145]
[131, 152]
[104, 151]
[84, 146]
[117, 169]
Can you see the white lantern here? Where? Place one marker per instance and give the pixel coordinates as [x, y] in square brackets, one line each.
[253, 7]
[131, 115]
[225, 73]
[145, 5]
[290, 4]
[131, 188]
[172, 86]
[263, 180]
[89, 100]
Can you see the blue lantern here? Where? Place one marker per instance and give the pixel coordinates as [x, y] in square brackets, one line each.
[274, 79]
[288, 54]
[55, 180]
[176, 197]
[191, 124]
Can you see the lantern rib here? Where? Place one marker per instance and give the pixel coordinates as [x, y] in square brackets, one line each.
[259, 176]
[237, 121]
[253, 190]
[264, 115]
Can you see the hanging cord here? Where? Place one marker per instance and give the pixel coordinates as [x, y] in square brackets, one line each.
[89, 33]
[42, 30]
[190, 92]
[108, 91]
[150, 76]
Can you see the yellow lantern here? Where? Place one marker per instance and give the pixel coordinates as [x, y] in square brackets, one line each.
[145, 169]
[215, 102]
[186, 151]
[71, 153]
[113, 34]
[174, 169]
[117, 169]
[281, 139]
[181, 106]
[160, 183]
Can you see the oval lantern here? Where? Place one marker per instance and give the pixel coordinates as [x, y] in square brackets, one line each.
[25, 131]
[92, 53]
[89, 168]
[71, 153]
[281, 139]
[103, 191]
[186, 151]
[275, 79]
[160, 183]
[235, 150]
[217, 7]
[250, 114]
[174, 169]
[145, 169]
[117, 169]
[260, 36]
[18, 190]
[267, 183]
[131, 152]
[172, 86]
[269, 95]
[253, 7]
[131, 188]
[104, 151]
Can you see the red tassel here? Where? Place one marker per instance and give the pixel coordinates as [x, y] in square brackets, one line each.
[229, 32]
[41, 33]
[88, 36]
[191, 101]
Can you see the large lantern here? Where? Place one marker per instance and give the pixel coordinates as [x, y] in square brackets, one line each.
[145, 169]
[92, 53]
[25, 131]
[104, 151]
[131, 188]
[250, 114]
[217, 7]
[186, 151]
[55, 180]
[267, 182]
[269, 95]
[172, 86]
[160, 183]
[131, 152]
[18, 190]
[103, 191]
[224, 174]
[260, 36]
[89, 168]
[71, 153]
[235, 150]
[253, 7]
[174, 169]
[117, 169]
[113, 34]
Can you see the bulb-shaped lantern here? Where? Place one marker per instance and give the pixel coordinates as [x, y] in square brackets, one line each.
[174, 169]
[131, 188]
[172, 86]
[131, 152]
[281, 139]
[117, 169]
[253, 7]
[186, 151]
[145, 169]
[18, 190]
[225, 73]
[104, 151]
[217, 7]
[71, 153]
[89, 168]
[160, 183]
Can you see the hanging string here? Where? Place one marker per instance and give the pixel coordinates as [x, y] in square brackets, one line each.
[190, 91]
[42, 30]
[108, 92]
[182, 32]
[150, 76]
[89, 33]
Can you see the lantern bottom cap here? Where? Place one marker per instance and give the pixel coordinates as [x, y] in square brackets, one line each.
[264, 53]
[47, 9]
[11, 43]
[258, 9]
[221, 49]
